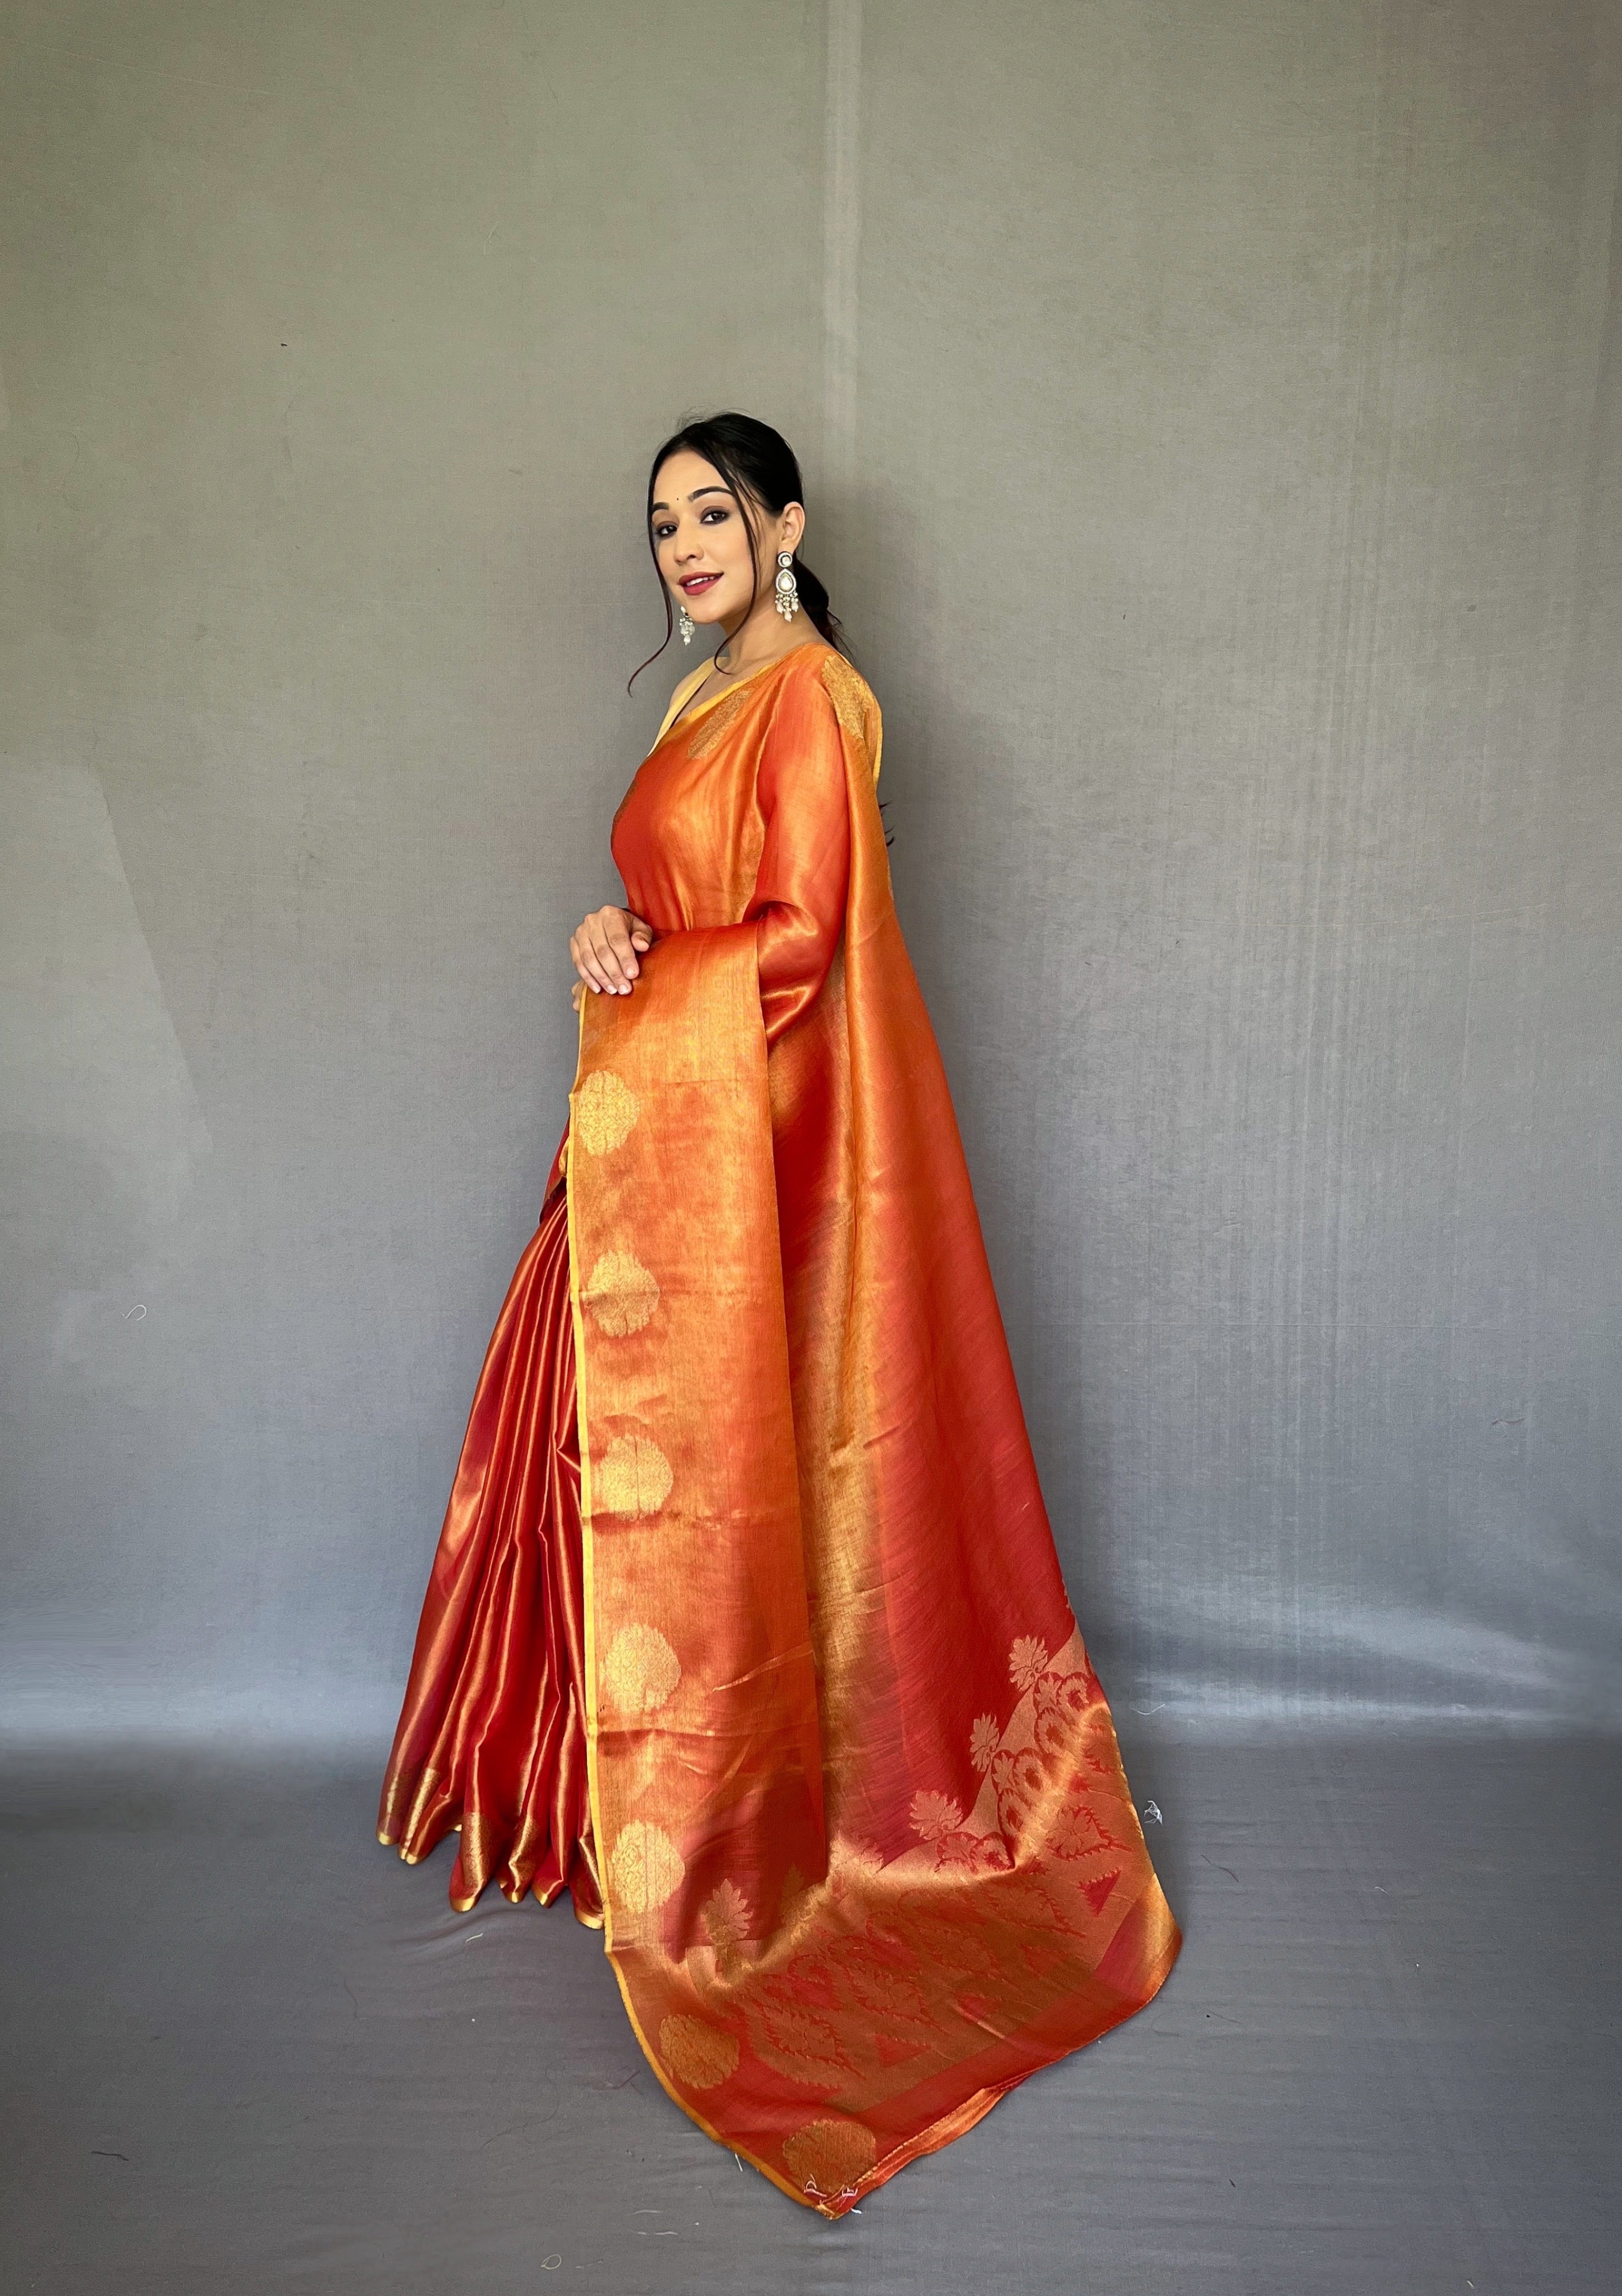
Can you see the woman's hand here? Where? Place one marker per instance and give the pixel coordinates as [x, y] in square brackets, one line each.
[605, 949]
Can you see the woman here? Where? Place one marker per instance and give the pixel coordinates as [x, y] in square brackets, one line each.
[746, 1624]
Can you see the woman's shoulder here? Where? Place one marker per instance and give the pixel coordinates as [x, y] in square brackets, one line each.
[848, 694]
[686, 689]
[852, 700]
[689, 684]
[837, 673]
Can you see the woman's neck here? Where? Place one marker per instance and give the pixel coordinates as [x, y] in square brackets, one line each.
[760, 638]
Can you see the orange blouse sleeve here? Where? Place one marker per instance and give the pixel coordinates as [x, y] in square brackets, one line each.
[798, 905]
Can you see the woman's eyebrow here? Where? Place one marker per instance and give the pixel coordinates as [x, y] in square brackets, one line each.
[695, 494]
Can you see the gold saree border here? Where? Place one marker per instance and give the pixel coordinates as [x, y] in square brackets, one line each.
[576, 1309]
[593, 1791]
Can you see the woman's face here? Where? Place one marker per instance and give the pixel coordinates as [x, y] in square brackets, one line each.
[702, 542]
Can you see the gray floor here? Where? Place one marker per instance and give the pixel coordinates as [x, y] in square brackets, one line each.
[248, 2050]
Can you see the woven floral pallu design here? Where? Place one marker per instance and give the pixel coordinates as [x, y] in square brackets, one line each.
[866, 1853]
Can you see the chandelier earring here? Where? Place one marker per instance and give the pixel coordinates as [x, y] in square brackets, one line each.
[788, 588]
[684, 623]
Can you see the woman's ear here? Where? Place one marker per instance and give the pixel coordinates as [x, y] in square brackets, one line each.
[793, 526]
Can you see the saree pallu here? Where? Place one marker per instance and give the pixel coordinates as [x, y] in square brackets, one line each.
[866, 1855]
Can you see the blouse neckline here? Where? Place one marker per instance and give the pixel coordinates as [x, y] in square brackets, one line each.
[690, 716]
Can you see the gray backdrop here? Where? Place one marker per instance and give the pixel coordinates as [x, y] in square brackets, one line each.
[1210, 418]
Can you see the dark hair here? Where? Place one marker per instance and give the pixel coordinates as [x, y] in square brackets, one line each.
[759, 467]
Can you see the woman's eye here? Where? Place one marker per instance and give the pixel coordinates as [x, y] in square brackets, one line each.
[663, 533]
[716, 515]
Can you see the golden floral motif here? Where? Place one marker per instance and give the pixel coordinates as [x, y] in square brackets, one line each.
[830, 2156]
[885, 1991]
[646, 1867]
[854, 2001]
[621, 1293]
[1021, 1778]
[1078, 1831]
[1094, 1857]
[972, 1853]
[641, 1669]
[934, 1815]
[726, 1915]
[699, 2054]
[939, 1820]
[1059, 1708]
[632, 1477]
[800, 2043]
[984, 1740]
[605, 1110]
[1026, 1662]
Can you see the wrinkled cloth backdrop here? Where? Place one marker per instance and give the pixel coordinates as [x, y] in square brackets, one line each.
[1211, 414]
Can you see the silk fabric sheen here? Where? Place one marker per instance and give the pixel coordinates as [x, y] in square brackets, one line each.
[865, 1852]
[492, 1736]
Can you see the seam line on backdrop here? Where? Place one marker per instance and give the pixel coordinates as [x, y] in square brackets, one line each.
[841, 239]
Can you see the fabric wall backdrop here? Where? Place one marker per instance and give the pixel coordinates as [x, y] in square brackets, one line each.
[1211, 422]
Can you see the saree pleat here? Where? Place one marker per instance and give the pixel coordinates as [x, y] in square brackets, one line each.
[492, 1736]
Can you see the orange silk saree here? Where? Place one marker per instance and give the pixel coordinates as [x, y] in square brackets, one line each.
[855, 1826]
